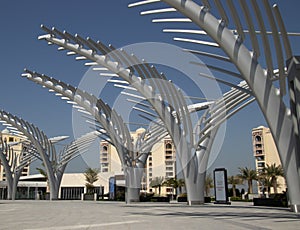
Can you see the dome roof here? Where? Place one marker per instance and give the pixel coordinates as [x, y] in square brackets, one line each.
[5, 131]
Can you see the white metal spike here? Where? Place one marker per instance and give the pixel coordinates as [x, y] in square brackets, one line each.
[28, 75]
[80, 58]
[201, 32]
[125, 87]
[91, 63]
[72, 102]
[70, 53]
[45, 36]
[100, 68]
[159, 20]
[197, 42]
[117, 81]
[84, 111]
[158, 11]
[109, 75]
[142, 3]
[77, 107]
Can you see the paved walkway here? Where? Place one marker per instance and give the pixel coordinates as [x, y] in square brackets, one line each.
[61, 215]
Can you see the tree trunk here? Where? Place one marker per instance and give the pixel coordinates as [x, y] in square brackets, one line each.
[274, 183]
[250, 190]
[233, 190]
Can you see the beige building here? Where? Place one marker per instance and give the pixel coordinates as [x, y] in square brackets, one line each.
[161, 162]
[265, 153]
[7, 136]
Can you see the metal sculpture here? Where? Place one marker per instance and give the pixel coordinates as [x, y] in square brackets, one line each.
[124, 65]
[14, 163]
[44, 149]
[207, 127]
[282, 121]
[41, 143]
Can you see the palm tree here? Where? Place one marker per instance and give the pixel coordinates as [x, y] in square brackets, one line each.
[247, 174]
[157, 182]
[209, 183]
[273, 172]
[234, 181]
[91, 176]
[171, 182]
[265, 182]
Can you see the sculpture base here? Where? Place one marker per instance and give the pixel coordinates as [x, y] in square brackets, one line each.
[295, 208]
[195, 202]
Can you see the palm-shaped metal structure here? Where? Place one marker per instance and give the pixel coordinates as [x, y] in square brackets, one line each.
[14, 163]
[40, 141]
[208, 125]
[215, 20]
[43, 148]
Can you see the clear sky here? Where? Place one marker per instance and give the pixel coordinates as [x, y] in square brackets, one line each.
[111, 22]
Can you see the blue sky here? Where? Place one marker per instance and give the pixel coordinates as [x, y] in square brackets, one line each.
[111, 22]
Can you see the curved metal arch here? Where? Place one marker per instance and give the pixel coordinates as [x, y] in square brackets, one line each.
[267, 96]
[28, 130]
[126, 74]
[252, 32]
[73, 150]
[80, 97]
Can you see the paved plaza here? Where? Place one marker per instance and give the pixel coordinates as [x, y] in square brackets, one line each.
[59, 215]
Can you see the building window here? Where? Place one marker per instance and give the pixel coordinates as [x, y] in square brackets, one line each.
[11, 139]
[104, 148]
[258, 145]
[261, 165]
[261, 158]
[168, 190]
[258, 138]
[71, 193]
[169, 174]
[258, 152]
[168, 146]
